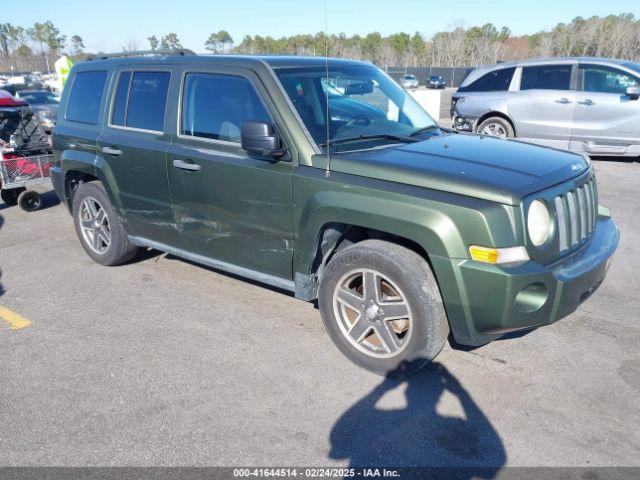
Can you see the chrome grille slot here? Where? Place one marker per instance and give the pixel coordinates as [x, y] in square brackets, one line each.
[562, 224]
[573, 217]
[582, 206]
[576, 213]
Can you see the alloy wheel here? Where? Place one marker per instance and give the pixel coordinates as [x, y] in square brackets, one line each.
[372, 313]
[494, 130]
[94, 225]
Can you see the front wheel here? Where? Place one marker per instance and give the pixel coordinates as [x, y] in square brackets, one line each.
[100, 230]
[382, 308]
[496, 127]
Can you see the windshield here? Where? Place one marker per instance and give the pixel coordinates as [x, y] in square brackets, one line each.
[363, 102]
[39, 98]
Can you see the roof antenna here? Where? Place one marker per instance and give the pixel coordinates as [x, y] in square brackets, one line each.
[327, 172]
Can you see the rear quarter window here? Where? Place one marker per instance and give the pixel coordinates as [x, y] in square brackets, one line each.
[85, 98]
[494, 81]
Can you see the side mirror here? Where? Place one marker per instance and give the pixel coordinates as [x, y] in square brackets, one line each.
[633, 93]
[260, 138]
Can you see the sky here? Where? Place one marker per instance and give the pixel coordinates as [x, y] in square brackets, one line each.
[109, 24]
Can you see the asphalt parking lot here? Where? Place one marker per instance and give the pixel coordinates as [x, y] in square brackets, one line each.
[163, 362]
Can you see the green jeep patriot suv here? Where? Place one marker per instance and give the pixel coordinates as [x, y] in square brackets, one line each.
[325, 178]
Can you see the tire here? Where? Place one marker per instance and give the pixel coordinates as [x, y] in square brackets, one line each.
[10, 196]
[30, 201]
[400, 276]
[98, 227]
[502, 128]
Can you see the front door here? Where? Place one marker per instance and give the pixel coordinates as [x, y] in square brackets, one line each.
[606, 120]
[229, 206]
[133, 145]
[542, 108]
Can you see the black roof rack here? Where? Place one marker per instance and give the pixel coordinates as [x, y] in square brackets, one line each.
[142, 53]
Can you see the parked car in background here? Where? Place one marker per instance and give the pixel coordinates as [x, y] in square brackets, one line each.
[44, 104]
[52, 83]
[402, 231]
[409, 81]
[587, 105]
[436, 81]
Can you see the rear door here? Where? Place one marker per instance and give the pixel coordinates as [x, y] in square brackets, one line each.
[133, 146]
[606, 120]
[76, 133]
[542, 107]
[229, 206]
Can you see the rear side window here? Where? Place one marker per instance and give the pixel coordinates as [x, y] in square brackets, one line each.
[140, 100]
[216, 106]
[85, 97]
[495, 81]
[546, 77]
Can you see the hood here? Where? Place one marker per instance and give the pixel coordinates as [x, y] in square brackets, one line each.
[478, 166]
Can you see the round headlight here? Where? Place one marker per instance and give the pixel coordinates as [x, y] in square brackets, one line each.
[539, 223]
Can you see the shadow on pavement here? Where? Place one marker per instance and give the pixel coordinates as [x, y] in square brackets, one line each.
[250, 281]
[418, 435]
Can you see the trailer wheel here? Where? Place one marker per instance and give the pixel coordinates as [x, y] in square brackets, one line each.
[10, 196]
[30, 201]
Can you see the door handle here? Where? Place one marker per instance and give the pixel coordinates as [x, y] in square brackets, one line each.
[111, 151]
[587, 102]
[185, 165]
[563, 100]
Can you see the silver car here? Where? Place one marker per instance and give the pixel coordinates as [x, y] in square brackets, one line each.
[44, 104]
[587, 105]
[409, 81]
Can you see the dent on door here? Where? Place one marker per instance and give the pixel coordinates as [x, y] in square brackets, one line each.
[233, 208]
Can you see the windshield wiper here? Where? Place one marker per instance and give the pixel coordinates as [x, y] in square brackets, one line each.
[424, 129]
[383, 136]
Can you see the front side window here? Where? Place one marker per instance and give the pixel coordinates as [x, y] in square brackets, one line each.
[546, 77]
[215, 106]
[362, 102]
[85, 97]
[495, 81]
[140, 100]
[603, 79]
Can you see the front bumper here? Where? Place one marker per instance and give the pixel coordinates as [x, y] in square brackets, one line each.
[462, 123]
[459, 122]
[489, 301]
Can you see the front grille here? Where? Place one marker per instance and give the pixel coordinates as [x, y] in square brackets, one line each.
[577, 212]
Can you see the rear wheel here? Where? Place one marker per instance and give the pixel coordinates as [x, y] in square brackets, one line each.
[30, 201]
[496, 127]
[10, 196]
[382, 308]
[100, 230]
